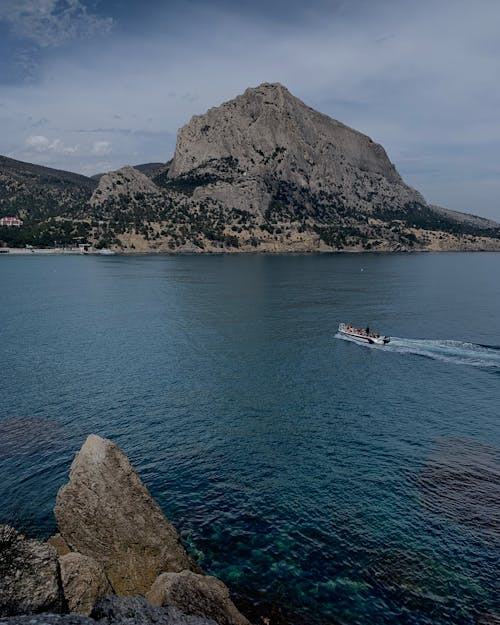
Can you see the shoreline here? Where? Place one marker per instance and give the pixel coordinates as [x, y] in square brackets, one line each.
[9, 252]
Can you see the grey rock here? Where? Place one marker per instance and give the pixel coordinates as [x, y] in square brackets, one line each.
[29, 575]
[47, 619]
[266, 136]
[84, 582]
[189, 248]
[107, 513]
[127, 181]
[137, 611]
[196, 594]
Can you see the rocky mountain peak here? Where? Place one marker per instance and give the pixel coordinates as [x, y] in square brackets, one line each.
[265, 137]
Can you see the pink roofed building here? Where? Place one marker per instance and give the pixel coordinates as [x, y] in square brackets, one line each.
[11, 222]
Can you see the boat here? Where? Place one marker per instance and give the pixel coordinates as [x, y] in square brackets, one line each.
[363, 336]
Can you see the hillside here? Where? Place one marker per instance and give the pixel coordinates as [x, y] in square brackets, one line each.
[51, 202]
[262, 172]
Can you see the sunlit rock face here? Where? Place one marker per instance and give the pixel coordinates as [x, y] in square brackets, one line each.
[105, 512]
[242, 150]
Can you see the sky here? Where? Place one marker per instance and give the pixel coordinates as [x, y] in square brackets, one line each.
[92, 85]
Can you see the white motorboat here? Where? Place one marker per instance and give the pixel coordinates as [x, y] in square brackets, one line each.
[363, 336]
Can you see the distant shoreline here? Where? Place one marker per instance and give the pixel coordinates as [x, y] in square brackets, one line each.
[9, 252]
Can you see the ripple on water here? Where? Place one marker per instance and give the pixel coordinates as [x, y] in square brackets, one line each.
[25, 435]
[461, 482]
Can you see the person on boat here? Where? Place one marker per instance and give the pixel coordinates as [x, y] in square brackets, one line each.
[367, 330]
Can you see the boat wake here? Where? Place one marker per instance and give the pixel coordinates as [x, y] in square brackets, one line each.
[457, 352]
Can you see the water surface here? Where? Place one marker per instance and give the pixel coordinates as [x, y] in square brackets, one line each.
[322, 480]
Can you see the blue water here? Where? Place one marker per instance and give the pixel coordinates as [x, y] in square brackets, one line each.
[324, 481]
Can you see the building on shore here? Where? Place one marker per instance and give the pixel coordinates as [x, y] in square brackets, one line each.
[11, 222]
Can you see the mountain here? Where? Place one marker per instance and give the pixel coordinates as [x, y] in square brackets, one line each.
[146, 168]
[52, 203]
[149, 168]
[28, 189]
[266, 172]
[277, 146]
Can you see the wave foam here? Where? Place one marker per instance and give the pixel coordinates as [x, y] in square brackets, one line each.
[457, 352]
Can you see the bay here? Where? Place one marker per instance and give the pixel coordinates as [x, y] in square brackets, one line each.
[324, 481]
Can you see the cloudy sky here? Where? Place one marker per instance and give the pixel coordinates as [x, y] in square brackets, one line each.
[91, 85]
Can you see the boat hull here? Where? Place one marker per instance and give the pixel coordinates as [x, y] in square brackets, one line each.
[370, 340]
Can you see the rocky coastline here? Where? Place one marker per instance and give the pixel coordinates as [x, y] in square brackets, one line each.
[115, 559]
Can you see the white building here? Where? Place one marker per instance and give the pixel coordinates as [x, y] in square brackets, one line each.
[11, 222]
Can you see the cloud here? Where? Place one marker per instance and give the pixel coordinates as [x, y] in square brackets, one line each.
[50, 23]
[40, 143]
[416, 77]
[101, 148]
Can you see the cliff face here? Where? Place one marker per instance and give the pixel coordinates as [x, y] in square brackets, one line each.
[266, 137]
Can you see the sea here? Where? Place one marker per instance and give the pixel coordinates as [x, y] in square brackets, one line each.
[324, 481]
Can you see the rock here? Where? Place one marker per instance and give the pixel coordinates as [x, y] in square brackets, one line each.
[47, 619]
[59, 544]
[84, 582]
[29, 575]
[189, 248]
[107, 513]
[137, 611]
[126, 182]
[248, 146]
[196, 594]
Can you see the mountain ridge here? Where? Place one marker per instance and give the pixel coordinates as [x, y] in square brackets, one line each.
[260, 172]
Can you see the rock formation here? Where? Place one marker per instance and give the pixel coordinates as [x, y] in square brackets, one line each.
[113, 540]
[266, 137]
[59, 544]
[114, 610]
[126, 182]
[29, 575]
[83, 582]
[138, 611]
[196, 594]
[107, 513]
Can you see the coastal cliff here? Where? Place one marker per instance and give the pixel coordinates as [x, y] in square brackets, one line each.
[116, 558]
[262, 172]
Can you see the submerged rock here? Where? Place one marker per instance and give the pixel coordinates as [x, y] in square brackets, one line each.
[137, 611]
[84, 582]
[29, 575]
[196, 594]
[461, 482]
[107, 513]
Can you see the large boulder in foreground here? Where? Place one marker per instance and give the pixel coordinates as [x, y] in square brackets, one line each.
[196, 594]
[29, 575]
[83, 581]
[107, 513]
